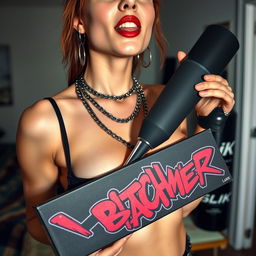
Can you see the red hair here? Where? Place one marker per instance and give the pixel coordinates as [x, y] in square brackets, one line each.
[70, 41]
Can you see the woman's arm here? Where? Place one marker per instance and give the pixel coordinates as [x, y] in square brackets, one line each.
[36, 143]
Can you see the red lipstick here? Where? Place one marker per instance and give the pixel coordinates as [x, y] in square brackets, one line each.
[128, 26]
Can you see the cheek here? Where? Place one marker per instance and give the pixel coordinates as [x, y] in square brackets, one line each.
[149, 18]
[152, 17]
[99, 19]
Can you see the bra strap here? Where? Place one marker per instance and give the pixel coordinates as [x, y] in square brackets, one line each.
[64, 136]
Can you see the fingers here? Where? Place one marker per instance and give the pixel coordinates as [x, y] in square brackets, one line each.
[216, 78]
[205, 87]
[216, 87]
[114, 249]
[181, 56]
[227, 100]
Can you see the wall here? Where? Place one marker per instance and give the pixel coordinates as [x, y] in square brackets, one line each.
[33, 36]
[183, 21]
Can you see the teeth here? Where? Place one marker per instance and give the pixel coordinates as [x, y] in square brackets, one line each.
[128, 25]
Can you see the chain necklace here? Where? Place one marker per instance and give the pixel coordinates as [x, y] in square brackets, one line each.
[82, 86]
[88, 88]
[140, 94]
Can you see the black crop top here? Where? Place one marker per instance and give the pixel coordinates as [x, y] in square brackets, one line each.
[73, 181]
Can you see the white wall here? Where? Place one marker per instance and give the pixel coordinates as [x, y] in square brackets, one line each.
[33, 36]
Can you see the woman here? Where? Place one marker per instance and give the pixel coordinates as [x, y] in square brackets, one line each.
[104, 41]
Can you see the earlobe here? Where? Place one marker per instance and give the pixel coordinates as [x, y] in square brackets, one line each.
[79, 26]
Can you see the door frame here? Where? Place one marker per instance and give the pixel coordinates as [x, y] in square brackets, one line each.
[243, 201]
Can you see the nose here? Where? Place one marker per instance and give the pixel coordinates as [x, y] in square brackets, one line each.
[127, 5]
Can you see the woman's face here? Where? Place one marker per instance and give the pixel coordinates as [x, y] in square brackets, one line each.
[119, 27]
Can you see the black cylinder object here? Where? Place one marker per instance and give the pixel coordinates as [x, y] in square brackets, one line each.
[210, 55]
[213, 212]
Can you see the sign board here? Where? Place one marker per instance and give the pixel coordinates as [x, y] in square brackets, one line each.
[95, 215]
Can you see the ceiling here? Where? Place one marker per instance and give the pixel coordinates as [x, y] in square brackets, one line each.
[31, 2]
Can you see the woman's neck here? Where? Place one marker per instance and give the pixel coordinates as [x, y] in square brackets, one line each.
[109, 74]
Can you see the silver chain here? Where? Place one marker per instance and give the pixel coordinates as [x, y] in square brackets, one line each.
[140, 94]
[83, 90]
[88, 88]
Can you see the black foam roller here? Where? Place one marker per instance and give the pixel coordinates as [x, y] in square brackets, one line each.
[210, 55]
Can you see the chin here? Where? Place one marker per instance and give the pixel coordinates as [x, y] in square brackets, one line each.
[132, 51]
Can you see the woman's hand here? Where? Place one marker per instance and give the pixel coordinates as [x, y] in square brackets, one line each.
[114, 249]
[214, 91]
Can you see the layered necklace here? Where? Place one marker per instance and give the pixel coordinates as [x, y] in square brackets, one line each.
[85, 92]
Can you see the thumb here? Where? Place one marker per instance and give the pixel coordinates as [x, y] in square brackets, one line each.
[181, 56]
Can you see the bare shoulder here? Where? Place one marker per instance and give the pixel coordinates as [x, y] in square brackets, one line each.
[37, 121]
[38, 143]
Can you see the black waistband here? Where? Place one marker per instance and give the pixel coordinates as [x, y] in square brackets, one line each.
[188, 246]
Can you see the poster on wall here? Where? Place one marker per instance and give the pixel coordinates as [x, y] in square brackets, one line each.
[5, 76]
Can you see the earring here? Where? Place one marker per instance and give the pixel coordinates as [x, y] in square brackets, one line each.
[81, 49]
[143, 63]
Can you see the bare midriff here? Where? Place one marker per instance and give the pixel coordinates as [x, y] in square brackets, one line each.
[165, 237]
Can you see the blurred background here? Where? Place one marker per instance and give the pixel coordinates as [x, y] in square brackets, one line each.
[31, 69]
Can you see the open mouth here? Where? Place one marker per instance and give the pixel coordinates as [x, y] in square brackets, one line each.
[128, 26]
